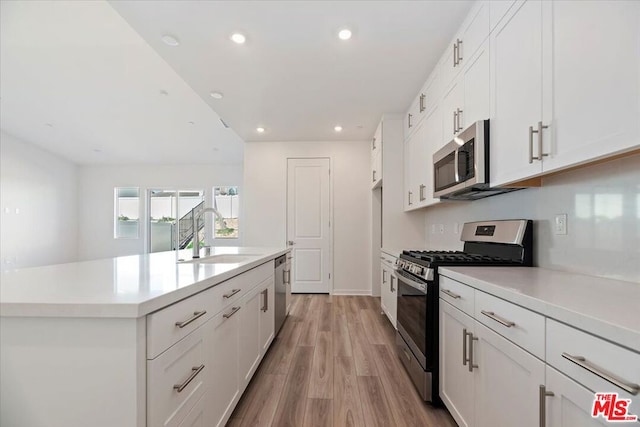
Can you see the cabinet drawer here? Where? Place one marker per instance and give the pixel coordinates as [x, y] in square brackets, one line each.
[176, 381]
[196, 417]
[599, 365]
[522, 326]
[169, 325]
[458, 295]
[163, 326]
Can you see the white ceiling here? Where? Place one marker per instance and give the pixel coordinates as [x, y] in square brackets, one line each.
[83, 79]
[293, 76]
[80, 68]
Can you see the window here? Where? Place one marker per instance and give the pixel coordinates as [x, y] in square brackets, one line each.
[171, 218]
[226, 201]
[127, 213]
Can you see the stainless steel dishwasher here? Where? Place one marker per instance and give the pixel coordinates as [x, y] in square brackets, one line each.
[280, 304]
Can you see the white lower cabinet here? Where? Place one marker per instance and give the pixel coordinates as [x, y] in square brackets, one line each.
[507, 382]
[198, 380]
[222, 349]
[571, 403]
[267, 315]
[389, 289]
[456, 381]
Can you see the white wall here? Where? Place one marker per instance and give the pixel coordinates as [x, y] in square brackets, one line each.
[38, 195]
[264, 204]
[603, 207]
[96, 184]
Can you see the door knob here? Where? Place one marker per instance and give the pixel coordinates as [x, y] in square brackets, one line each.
[291, 243]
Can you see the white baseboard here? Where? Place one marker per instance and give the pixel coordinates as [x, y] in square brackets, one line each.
[345, 292]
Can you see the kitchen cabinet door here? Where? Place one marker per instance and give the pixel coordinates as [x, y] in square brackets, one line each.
[570, 404]
[452, 108]
[420, 164]
[507, 383]
[249, 348]
[456, 382]
[476, 88]
[221, 334]
[409, 172]
[388, 293]
[516, 92]
[433, 142]
[267, 315]
[596, 89]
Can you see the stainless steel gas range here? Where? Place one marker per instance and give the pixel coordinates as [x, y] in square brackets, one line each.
[493, 243]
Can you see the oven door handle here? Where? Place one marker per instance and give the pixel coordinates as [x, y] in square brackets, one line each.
[416, 285]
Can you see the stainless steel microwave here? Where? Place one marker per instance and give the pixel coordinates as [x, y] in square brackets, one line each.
[461, 168]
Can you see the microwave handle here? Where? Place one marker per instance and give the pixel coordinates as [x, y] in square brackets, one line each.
[455, 161]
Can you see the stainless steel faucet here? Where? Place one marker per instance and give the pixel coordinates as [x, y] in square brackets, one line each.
[196, 238]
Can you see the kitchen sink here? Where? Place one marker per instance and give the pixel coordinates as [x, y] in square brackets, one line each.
[223, 259]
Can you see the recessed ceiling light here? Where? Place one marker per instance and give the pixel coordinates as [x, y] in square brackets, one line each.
[97, 150]
[260, 129]
[164, 93]
[344, 34]
[192, 123]
[217, 95]
[49, 125]
[338, 128]
[170, 40]
[216, 149]
[238, 38]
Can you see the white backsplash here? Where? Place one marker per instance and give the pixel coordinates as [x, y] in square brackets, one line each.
[602, 204]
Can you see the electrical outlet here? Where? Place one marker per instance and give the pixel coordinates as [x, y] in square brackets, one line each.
[561, 224]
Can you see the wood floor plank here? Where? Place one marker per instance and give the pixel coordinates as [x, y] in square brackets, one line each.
[321, 380]
[405, 402]
[372, 326]
[362, 353]
[375, 407]
[264, 398]
[347, 410]
[279, 358]
[341, 338]
[319, 413]
[293, 400]
[309, 330]
[326, 315]
[352, 309]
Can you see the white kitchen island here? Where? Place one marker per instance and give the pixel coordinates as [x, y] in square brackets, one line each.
[141, 340]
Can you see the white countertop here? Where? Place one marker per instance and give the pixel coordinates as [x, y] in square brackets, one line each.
[394, 252]
[129, 286]
[604, 307]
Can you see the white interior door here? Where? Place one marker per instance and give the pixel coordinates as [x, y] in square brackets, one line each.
[308, 226]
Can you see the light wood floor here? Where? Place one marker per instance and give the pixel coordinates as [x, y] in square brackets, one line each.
[334, 364]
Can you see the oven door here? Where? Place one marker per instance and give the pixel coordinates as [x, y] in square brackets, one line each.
[412, 315]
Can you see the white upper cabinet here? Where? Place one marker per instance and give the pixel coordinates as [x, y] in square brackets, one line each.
[473, 32]
[376, 158]
[562, 92]
[516, 101]
[476, 88]
[595, 78]
[452, 109]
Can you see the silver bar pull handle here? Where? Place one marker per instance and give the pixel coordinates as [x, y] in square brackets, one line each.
[410, 202]
[471, 364]
[455, 55]
[288, 279]
[422, 187]
[581, 361]
[422, 106]
[393, 288]
[384, 277]
[265, 299]
[458, 126]
[374, 176]
[373, 144]
[464, 347]
[409, 118]
[230, 294]
[531, 131]
[543, 404]
[196, 315]
[458, 43]
[234, 310]
[491, 315]
[194, 373]
[451, 294]
[455, 122]
[540, 137]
